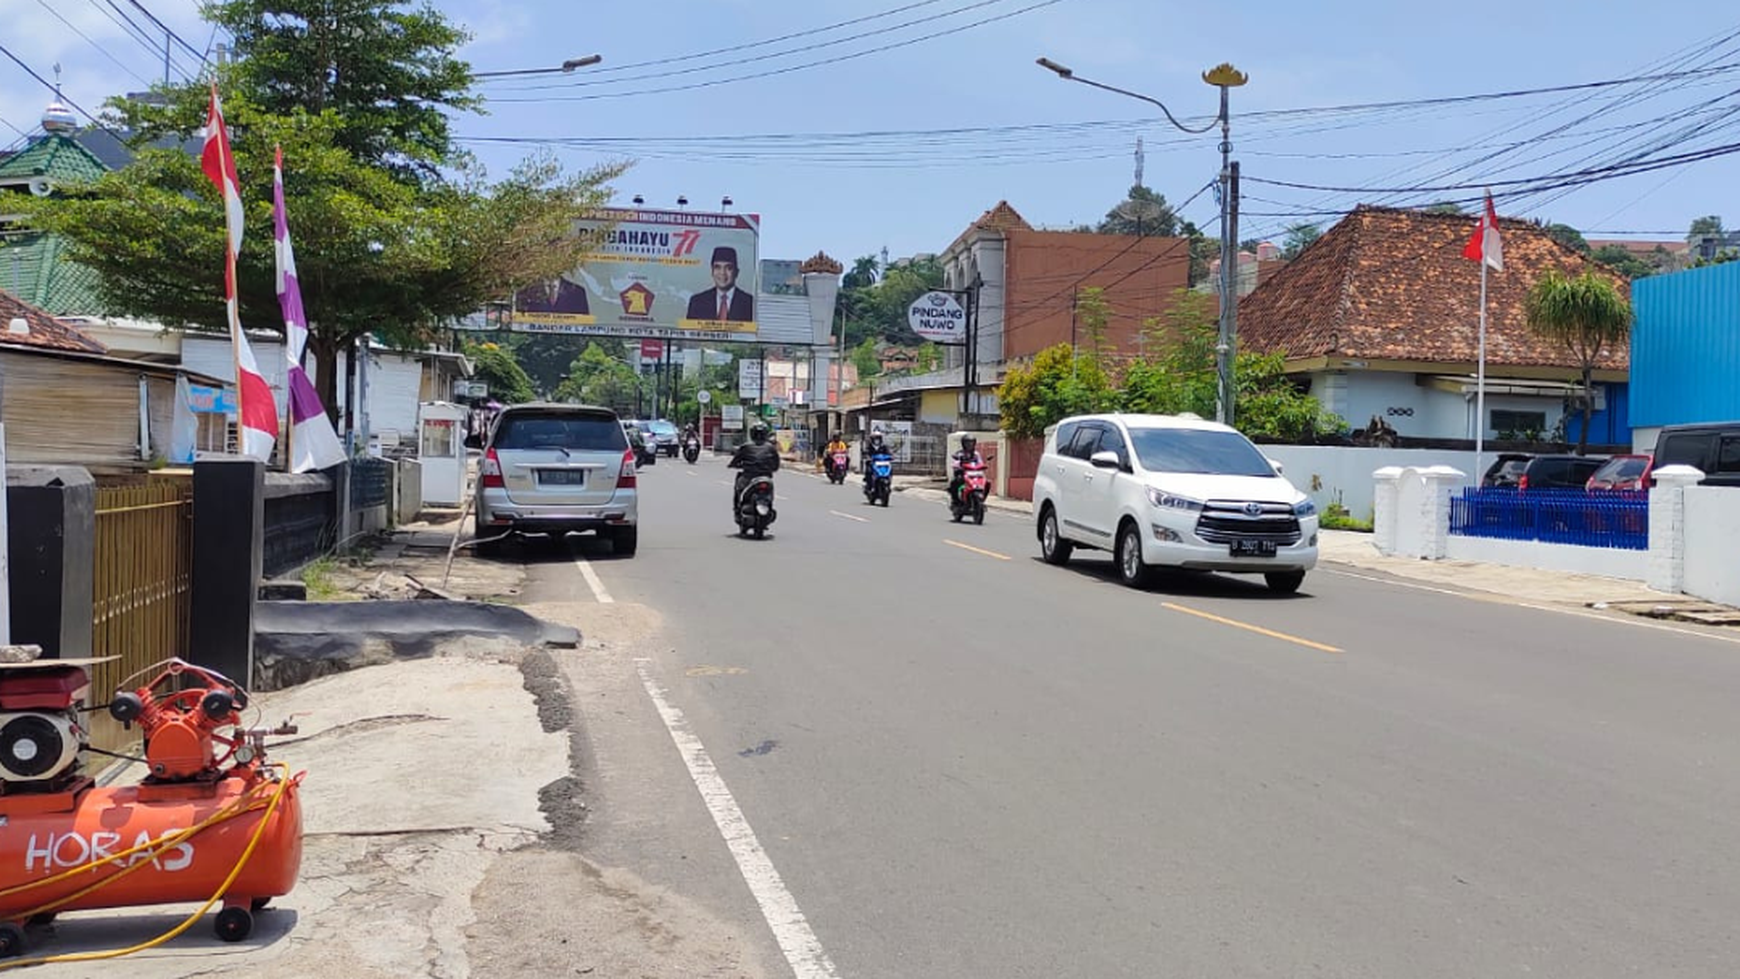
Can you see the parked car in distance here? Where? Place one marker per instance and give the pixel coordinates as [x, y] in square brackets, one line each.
[1170, 491]
[645, 454]
[1623, 473]
[664, 436]
[1712, 449]
[1559, 472]
[1506, 470]
[555, 469]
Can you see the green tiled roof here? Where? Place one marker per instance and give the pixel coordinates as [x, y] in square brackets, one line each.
[53, 156]
[34, 268]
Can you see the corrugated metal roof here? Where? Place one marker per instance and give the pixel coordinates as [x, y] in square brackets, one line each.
[783, 319]
[1685, 347]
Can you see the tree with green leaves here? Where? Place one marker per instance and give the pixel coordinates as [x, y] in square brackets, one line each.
[597, 377]
[878, 311]
[863, 273]
[865, 358]
[1444, 207]
[1142, 212]
[1092, 312]
[396, 231]
[1056, 385]
[1299, 237]
[495, 365]
[1180, 376]
[1709, 224]
[1568, 236]
[1588, 315]
[1621, 260]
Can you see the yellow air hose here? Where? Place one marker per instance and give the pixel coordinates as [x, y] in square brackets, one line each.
[284, 783]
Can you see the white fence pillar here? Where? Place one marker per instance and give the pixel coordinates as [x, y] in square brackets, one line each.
[1667, 527]
[1423, 511]
[1383, 509]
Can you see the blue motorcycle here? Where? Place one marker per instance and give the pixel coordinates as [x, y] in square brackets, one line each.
[879, 482]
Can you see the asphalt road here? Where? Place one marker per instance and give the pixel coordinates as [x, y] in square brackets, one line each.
[962, 762]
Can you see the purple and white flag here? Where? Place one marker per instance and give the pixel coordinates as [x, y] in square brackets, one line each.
[313, 443]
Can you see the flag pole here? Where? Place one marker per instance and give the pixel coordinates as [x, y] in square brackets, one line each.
[1480, 387]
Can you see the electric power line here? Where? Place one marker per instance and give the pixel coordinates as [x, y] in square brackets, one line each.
[55, 89]
[749, 45]
[591, 79]
[105, 51]
[849, 56]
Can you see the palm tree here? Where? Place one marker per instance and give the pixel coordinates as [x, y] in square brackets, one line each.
[863, 274]
[1588, 315]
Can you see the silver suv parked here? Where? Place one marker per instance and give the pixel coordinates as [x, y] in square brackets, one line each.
[554, 469]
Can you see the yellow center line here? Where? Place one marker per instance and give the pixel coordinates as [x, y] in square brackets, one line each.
[976, 550]
[848, 516]
[1259, 630]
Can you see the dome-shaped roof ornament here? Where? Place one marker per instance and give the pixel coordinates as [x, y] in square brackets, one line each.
[58, 118]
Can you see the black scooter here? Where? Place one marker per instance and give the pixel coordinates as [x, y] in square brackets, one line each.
[755, 511]
[691, 449]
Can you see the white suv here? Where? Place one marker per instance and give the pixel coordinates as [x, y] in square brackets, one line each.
[1170, 491]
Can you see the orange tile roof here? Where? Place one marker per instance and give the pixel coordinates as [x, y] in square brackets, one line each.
[1002, 216]
[1391, 284]
[45, 330]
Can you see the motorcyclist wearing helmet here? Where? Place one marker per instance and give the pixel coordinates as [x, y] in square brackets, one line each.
[876, 447]
[967, 456]
[754, 458]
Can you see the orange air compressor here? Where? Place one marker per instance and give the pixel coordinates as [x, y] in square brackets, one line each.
[211, 821]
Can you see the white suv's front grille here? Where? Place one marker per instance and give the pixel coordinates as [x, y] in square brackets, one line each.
[1226, 521]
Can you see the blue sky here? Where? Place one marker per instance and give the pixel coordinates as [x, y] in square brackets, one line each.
[915, 191]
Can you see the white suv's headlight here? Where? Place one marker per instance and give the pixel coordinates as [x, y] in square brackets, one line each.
[1169, 501]
[1305, 508]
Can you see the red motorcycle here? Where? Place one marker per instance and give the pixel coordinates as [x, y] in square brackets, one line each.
[969, 499]
[839, 463]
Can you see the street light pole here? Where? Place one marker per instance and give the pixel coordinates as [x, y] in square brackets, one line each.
[564, 68]
[1223, 77]
[1226, 78]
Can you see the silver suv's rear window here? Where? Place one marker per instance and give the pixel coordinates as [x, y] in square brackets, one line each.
[564, 430]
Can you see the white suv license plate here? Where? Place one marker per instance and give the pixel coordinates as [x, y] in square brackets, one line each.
[1252, 548]
[561, 477]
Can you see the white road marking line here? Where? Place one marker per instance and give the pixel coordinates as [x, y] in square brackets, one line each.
[803, 951]
[593, 581]
[976, 550]
[1505, 600]
[848, 516]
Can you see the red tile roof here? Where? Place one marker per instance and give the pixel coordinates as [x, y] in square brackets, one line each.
[1390, 284]
[1002, 216]
[44, 330]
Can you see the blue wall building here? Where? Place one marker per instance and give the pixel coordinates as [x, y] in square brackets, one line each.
[1685, 350]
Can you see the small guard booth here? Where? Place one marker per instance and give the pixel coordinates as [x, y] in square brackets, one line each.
[441, 449]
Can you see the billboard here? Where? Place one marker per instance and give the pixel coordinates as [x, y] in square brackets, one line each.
[681, 274]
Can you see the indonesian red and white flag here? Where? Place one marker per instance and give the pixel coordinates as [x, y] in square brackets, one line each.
[257, 411]
[1486, 245]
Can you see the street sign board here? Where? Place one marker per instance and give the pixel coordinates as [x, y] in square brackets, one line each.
[703, 396]
[749, 381]
[731, 417]
[652, 350]
[937, 316]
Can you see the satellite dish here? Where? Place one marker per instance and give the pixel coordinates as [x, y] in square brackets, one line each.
[41, 186]
[1134, 210]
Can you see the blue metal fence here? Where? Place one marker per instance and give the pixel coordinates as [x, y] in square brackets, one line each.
[1618, 520]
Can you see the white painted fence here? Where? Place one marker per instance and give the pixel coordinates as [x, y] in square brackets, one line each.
[1413, 520]
[1340, 473]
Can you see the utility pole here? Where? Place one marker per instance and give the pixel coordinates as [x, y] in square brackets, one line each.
[1226, 78]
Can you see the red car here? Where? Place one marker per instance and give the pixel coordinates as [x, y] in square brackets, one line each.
[1627, 473]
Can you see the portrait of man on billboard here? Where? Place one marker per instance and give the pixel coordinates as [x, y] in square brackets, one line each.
[724, 302]
[557, 295]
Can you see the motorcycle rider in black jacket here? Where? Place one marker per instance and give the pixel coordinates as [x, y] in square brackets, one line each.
[756, 457]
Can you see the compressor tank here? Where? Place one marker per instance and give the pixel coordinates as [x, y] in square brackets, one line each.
[53, 834]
